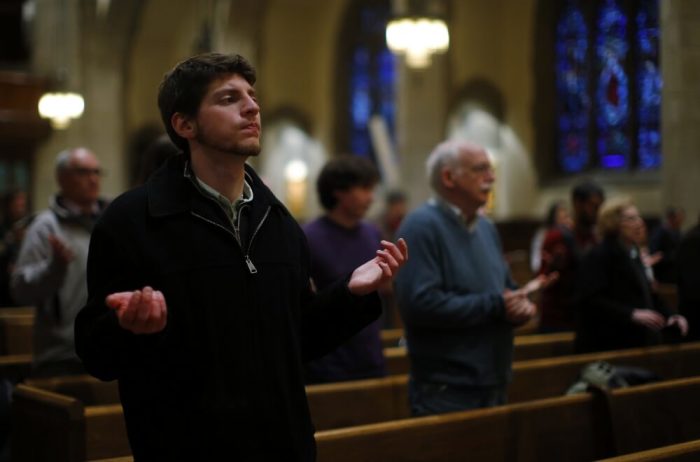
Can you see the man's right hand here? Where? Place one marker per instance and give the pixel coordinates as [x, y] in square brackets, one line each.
[61, 251]
[141, 311]
[648, 318]
[519, 309]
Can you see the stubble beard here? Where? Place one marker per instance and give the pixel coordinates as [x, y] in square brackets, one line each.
[236, 149]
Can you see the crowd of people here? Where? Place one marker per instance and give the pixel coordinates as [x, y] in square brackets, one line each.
[213, 307]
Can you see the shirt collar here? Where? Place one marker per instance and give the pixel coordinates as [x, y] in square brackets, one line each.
[456, 212]
[245, 197]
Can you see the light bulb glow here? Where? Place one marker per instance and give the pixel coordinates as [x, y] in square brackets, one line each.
[61, 108]
[418, 39]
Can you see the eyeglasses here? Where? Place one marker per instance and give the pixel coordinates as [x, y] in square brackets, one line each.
[82, 171]
[482, 169]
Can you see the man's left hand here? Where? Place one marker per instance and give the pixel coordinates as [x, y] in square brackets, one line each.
[382, 268]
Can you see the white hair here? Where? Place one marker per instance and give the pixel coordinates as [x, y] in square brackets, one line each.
[446, 155]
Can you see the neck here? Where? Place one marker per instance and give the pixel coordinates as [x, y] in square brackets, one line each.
[342, 219]
[469, 211]
[222, 171]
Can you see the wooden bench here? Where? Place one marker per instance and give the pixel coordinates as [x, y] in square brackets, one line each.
[570, 428]
[524, 347]
[559, 428]
[16, 330]
[391, 337]
[378, 400]
[67, 420]
[681, 452]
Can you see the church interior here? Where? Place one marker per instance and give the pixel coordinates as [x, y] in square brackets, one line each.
[557, 91]
[325, 71]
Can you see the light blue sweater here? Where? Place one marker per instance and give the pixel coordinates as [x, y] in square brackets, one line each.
[450, 297]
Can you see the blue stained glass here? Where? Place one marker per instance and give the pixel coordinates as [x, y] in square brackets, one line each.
[649, 83]
[621, 66]
[612, 95]
[372, 77]
[573, 104]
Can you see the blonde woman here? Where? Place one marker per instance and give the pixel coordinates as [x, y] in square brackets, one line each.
[617, 306]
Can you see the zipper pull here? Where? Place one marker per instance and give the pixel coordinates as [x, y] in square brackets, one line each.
[251, 266]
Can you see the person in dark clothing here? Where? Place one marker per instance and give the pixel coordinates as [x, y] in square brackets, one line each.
[562, 251]
[340, 240]
[617, 306]
[688, 276]
[199, 298]
[13, 225]
[665, 240]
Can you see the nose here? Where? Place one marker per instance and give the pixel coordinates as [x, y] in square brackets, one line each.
[251, 107]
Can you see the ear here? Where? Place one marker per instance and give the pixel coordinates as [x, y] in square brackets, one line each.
[183, 125]
[446, 178]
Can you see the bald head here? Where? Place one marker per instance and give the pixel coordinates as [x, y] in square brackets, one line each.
[78, 176]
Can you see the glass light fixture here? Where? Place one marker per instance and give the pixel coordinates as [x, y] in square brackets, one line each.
[61, 63]
[61, 107]
[417, 31]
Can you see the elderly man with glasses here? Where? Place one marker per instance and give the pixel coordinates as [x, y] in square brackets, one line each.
[50, 273]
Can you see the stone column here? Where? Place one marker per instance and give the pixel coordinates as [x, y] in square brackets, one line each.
[421, 108]
[680, 125]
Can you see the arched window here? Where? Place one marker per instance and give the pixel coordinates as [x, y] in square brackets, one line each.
[603, 85]
[366, 76]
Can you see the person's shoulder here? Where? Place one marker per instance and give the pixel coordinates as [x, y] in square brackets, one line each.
[419, 217]
[44, 219]
[125, 205]
[312, 227]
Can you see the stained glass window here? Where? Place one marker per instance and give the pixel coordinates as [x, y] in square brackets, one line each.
[574, 105]
[649, 85]
[608, 85]
[371, 76]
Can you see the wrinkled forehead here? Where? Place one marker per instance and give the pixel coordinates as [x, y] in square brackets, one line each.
[473, 156]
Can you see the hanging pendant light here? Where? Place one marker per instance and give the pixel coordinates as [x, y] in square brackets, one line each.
[417, 31]
[60, 105]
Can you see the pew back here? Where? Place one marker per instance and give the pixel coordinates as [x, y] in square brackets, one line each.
[561, 429]
[569, 428]
[16, 330]
[681, 452]
[51, 426]
[378, 400]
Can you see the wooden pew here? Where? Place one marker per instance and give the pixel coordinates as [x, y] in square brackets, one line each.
[16, 330]
[533, 431]
[569, 428]
[376, 400]
[542, 378]
[655, 415]
[681, 452]
[391, 337]
[580, 427]
[15, 367]
[48, 425]
[524, 347]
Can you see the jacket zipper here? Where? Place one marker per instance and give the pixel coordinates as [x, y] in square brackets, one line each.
[249, 263]
[251, 266]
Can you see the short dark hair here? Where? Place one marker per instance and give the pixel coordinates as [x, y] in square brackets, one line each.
[343, 173]
[585, 190]
[184, 87]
